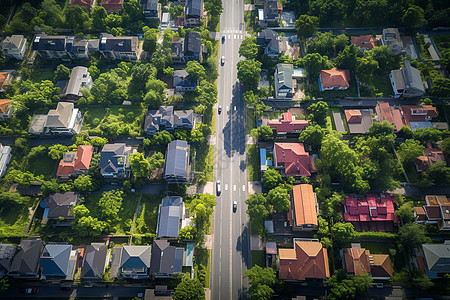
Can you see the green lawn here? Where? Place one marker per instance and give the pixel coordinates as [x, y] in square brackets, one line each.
[210, 119]
[251, 122]
[205, 161]
[350, 92]
[42, 165]
[14, 219]
[148, 217]
[382, 83]
[253, 163]
[258, 258]
[376, 248]
[421, 46]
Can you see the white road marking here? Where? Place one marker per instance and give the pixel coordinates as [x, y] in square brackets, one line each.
[234, 187]
[226, 187]
[243, 187]
[241, 37]
[234, 36]
[229, 36]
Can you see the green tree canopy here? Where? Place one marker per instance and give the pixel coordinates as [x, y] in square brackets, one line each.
[140, 166]
[248, 48]
[249, 73]
[110, 204]
[318, 112]
[406, 212]
[409, 150]
[83, 183]
[343, 233]
[312, 135]
[278, 197]
[189, 289]
[411, 236]
[271, 179]
[306, 26]
[414, 17]
[257, 211]
[314, 63]
[260, 280]
[62, 73]
[56, 151]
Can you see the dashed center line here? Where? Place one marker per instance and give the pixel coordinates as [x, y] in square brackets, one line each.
[234, 187]
[226, 187]
[243, 187]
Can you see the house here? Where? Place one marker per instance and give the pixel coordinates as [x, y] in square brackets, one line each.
[391, 38]
[418, 116]
[364, 42]
[6, 109]
[14, 46]
[58, 262]
[119, 48]
[193, 13]
[25, 263]
[58, 207]
[170, 214]
[358, 120]
[177, 164]
[436, 211]
[268, 39]
[112, 5]
[287, 124]
[5, 78]
[375, 212]
[430, 157]
[359, 261]
[165, 118]
[308, 260]
[75, 163]
[304, 208]
[5, 157]
[437, 259]
[166, 260]
[293, 159]
[406, 82]
[389, 113]
[334, 79]
[7, 252]
[95, 261]
[61, 47]
[182, 82]
[114, 162]
[284, 84]
[192, 46]
[85, 3]
[272, 12]
[64, 120]
[177, 50]
[79, 78]
[135, 261]
[152, 9]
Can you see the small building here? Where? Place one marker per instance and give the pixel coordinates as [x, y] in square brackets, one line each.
[5, 79]
[5, 157]
[112, 5]
[58, 207]
[364, 42]
[14, 46]
[165, 118]
[58, 262]
[293, 159]
[152, 9]
[272, 12]
[65, 48]
[170, 214]
[436, 211]
[166, 260]
[75, 163]
[119, 48]
[268, 39]
[85, 3]
[284, 84]
[359, 261]
[391, 38]
[95, 261]
[177, 50]
[25, 263]
[182, 83]
[287, 124]
[177, 164]
[389, 113]
[193, 13]
[135, 262]
[114, 161]
[430, 157]
[407, 82]
[64, 120]
[6, 109]
[192, 46]
[304, 208]
[375, 212]
[418, 116]
[79, 79]
[308, 260]
[7, 252]
[437, 259]
[334, 79]
[358, 120]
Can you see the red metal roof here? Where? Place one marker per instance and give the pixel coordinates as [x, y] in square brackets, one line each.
[287, 124]
[390, 114]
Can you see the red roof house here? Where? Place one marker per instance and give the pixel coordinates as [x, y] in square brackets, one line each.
[430, 157]
[287, 124]
[353, 116]
[334, 79]
[372, 213]
[4, 80]
[308, 259]
[436, 211]
[75, 163]
[303, 210]
[359, 261]
[294, 159]
[364, 42]
[112, 5]
[390, 114]
[86, 3]
[416, 116]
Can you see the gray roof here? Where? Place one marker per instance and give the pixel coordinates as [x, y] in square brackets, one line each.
[26, 261]
[268, 38]
[437, 257]
[184, 117]
[194, 8]
[55, 260]
[53, 43]
[7, 252]
[111, 157]
[169, 215]
[284, 75]
[79, 78]
[122, 44]
[165, 259]
[60, 204]
[177, 157]
[149, 4]
[192, 42]
[413, 79]
[166, 117]
[37, 124]
[135, 257]
[94, 261]
[12, 42]
[60, 116]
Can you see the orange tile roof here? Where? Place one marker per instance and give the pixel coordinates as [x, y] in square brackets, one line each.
[3, 77]
[357, 260]
[353, 115]
[4, 105]
[335, 77]
[310, 261]
[381, 266]
[304, 204]
[84, 156]
[364, 41]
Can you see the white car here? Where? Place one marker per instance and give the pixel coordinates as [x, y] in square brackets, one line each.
[218, 189]
[222, 61]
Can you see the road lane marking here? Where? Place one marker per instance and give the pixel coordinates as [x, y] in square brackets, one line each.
[241, 37]
[234, 36]
[226, 187]
[243, 187]
[234, 187]
[229, 36]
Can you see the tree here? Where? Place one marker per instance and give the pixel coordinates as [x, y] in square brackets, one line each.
[110, 204]
[263, 131]
[248, 48]
[12, 199]
[156, 93]
[438, 173]
[80, 211]
[413, 279]
[441, 87]
[343, 233]
[343, 288]
[133, 15]
[83, 183]
[271, 179]
[150, 39]
[409, 150]
[214, 7]
[257, 211]
[77, 17]
[250, 98]
[331, 204]
[279, 199]
[426, 135]
[161, 139]
[414, 17]
[89, 226]
[176, 11]
[140, 167]
[386, 59]
[411, 236]
[381, 128]
[406, 212]
[260, 280]
[22, 178]
[365, 68]
[445, 145]
[62, 73]
[187, 233]
[140, 74]
[406, 131]
[249, 73]
[98, 14]
[348, 58]
[312, 135]
[318, 113]
[99, 142]
[306, 26]
[206, 93]
[314, 63]
[156, 161]
[56, 151]
[189, 289]
[195, 70]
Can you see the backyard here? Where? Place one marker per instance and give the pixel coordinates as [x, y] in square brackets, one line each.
[148, 217]
[14, 219]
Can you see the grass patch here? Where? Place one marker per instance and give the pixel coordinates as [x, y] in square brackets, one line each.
[442, 42]
[148, 217]
[253, 163]
[205, 161]
[14, 219]
[251, 122]
[258, 258]
[209, 117]
[382, 84]
[203, 257]
[376, 248]
[42, 164]
[250, 21]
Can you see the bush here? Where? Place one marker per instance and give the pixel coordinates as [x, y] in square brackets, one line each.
[375, 235]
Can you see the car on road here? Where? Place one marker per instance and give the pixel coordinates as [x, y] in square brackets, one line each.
[218, 189]
[30, 291]
[223, 39]
[235, 108]
[219, 110]
[234, 206]
[222, 61]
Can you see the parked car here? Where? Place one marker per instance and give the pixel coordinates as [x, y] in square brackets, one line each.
[220, 109]
[223, 39]
[234, 206]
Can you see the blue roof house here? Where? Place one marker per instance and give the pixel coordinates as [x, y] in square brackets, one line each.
[114, 162]
[57, 262]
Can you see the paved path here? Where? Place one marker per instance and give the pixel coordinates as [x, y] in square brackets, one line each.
[338, 121]
[431, 49]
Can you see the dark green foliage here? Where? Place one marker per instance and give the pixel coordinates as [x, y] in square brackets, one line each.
[249, 73]
[411, 236]
[258, 211]
[271, 179]
[189, 289]
[318, 113]
[306, 25]
[261, 280]
[351, 288]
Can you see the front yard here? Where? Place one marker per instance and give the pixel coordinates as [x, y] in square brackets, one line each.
[253, 163]
[204, 161]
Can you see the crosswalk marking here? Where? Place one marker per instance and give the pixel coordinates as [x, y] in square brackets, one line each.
[234, 187]
[243, 187]
[226, 187]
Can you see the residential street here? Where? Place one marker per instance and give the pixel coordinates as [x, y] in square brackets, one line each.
[231, 246]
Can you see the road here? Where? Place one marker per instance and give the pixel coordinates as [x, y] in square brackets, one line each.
[231, 237]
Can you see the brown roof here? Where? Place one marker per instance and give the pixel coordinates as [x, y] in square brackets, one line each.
[433, 212]
[364, 41]
[304, 205]
[112, 5]
[357, 260]
[335, 77]
[381, 266]
[4, 105]
[3, 78]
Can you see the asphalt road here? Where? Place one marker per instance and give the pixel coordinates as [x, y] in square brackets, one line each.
[231, 245]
